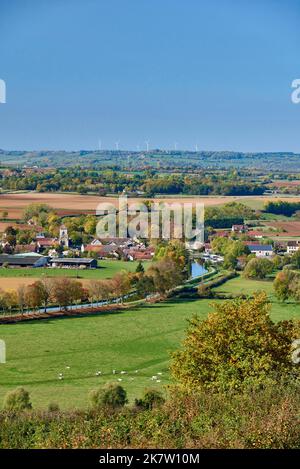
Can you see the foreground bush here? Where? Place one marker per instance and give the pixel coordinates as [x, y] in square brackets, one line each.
[151, 398]
[238, 346]
[265, 419]
[17, 400]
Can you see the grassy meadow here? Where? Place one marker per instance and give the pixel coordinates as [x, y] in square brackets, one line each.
[106, 269]
[137, 339]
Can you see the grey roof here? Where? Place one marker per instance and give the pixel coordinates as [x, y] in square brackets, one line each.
[19, 259]
[260, 247]
[71, 260]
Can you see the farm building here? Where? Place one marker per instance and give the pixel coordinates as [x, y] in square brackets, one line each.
[73, 262]
[261, 250]
[292, 246]
[23, 260]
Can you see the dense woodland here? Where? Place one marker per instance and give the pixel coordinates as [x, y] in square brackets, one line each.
[147, 182]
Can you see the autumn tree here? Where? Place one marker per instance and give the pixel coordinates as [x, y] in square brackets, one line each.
[121, 284]
[166, 274]
[236, 347]
[67, 292]
[21, 298]
[282, 284]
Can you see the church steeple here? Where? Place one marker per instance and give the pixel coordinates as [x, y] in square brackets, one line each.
[63, 236]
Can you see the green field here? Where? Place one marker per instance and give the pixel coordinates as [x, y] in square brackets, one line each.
[280, 311]
[107, 269]
[133, 340]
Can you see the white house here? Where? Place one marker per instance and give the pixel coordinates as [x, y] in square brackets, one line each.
[292, 247]
[261, 250]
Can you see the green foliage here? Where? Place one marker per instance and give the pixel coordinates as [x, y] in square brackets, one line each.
[111, 395]
[36, 211]
[140, 268]
[204, 291]
[267, 419]
[151, 398]
[296, 259]
[282, 208]
[258, 268]
[236, 347]
[53, 407]
[17, 400]
[287, 285]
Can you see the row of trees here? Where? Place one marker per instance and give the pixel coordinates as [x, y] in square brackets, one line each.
[113, 181]
[165, 273]
[282, 208]
[42, 293]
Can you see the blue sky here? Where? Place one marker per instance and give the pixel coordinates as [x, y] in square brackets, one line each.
[215, 73]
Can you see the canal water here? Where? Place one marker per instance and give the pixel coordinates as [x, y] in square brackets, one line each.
[197, 270]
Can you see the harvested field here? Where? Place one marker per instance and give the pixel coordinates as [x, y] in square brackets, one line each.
[284, 183]
[67, 204]
[13, 283]
[287, 228]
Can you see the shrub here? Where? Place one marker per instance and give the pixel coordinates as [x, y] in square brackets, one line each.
[258, 268]
[237, 346]
[111, 395]
[204, 291]
[18, 399]
[53, 407]
[151, 398]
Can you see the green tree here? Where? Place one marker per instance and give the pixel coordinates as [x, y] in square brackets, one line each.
[237, 346]
[258, 268]
[296, 259]
[151, 398]
[282, 284]
[17, 400]
[111, 395]
[140, 268]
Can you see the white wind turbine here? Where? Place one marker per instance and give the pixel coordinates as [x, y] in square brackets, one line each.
[117, 145]
[99, 144]
[175, 145]
[147, 144]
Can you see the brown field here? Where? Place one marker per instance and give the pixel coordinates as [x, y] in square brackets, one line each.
[12, 283]
[6, 224]
[289, 228]
[67, 204]
[284, 183]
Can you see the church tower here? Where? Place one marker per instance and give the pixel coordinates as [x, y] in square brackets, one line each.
[63, 236]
